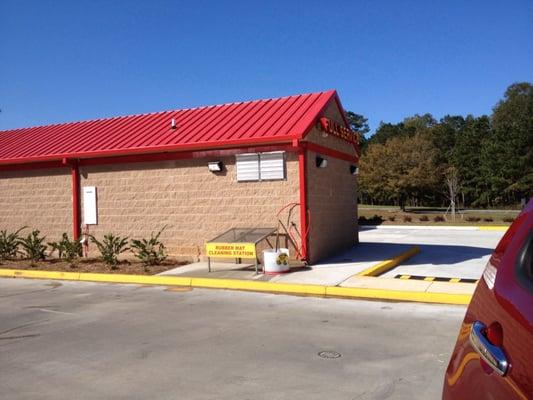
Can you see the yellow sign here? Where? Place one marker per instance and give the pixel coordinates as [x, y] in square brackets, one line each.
[230, 250]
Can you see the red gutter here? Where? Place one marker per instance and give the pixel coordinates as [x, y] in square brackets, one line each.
[24, 167]
[152, 157]
[332, 153]
[302, 164]
[239, 143]
[184, 155]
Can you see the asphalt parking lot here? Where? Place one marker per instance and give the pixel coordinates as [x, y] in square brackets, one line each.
[65, 340]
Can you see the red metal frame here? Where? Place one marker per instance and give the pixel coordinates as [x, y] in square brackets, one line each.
[228, 144]
[302, 164]
[184, 155]
[30, 166]
[133, 158]
[331, 152]
[75, 177]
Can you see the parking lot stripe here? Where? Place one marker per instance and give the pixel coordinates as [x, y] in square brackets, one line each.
[501, 228]
[436, 279]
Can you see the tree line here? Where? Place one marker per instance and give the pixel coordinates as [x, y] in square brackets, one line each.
[484, 161]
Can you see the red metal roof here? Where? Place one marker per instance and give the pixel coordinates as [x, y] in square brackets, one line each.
[252, 122]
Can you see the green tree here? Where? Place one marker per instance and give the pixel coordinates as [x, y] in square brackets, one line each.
[418, 123]
[444, 135]
[508, 156]
[385, 132]
[466, 158]
[402, 170]
[359, 124]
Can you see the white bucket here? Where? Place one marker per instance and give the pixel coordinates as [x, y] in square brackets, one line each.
[276, 261]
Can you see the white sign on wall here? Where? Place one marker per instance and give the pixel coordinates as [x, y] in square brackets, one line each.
[90, 215]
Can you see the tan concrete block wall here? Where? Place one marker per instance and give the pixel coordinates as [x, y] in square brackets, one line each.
[333, 142]
[40, 199]
[195, 204]
[332, 200]
[331, 195]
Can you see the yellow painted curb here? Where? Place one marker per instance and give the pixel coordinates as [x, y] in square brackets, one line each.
[501, 228]
[387, 265]
[138, 279]
[255, 286]
[398, 295]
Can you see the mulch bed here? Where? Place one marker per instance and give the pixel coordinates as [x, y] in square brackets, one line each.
[93, 265]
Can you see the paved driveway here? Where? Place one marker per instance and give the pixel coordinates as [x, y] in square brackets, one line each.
[69, 340]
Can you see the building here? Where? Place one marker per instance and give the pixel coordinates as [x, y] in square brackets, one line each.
[159, 169]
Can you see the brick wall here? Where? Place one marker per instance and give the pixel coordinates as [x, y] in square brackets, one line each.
[40, 199]
[331, 196]
[332, 201]
[195, 204]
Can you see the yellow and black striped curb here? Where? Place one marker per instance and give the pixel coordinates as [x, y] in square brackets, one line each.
[437, 279]
[387, 265]
[253, 286]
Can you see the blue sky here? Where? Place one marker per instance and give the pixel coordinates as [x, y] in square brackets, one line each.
[73, 60]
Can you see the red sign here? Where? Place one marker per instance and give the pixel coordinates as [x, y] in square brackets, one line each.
[332, 128]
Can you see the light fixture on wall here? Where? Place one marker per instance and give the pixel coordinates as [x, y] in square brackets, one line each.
[215, 166]
[354, 170]
[321, 162]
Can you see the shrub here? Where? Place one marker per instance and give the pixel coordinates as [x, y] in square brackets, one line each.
[473, 219]
[508, 219]
[488, 219]
[439, 218]
[151, 251]
[424, 218]
[67, 249]
[392, 218]
[9, 244]
[362, 220]
[33, 246]
[376, 219]
[110, 247]
[407, 218]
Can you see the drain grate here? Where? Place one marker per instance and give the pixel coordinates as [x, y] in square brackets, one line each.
[329, 354]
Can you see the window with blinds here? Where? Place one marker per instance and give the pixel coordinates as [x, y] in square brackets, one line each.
[261, 166]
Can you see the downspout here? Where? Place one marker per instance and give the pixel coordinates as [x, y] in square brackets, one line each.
[302, 164]
[75, 175]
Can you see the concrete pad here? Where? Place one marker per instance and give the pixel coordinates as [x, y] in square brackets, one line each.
[452, 288]
[386, 284]
[446, 252]
[202, 266]
[331, 276]
[222, 270]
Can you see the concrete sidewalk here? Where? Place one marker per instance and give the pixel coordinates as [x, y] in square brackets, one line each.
[332, 272]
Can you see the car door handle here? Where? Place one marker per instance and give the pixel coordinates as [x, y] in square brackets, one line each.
[494, 356]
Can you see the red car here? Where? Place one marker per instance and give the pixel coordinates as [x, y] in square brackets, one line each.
[493, 356]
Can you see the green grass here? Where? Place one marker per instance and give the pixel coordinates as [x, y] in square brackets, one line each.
[427, 216]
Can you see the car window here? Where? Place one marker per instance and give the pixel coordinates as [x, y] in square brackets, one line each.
[524, 262]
